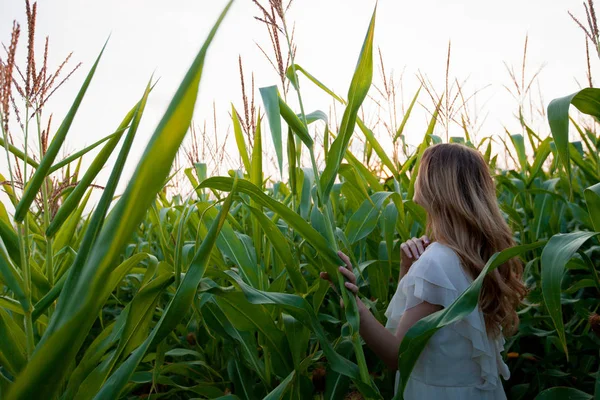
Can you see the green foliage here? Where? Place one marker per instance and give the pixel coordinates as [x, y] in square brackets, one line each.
[218, 296]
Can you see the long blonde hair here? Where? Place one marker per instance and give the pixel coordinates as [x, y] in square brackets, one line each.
[455, 187]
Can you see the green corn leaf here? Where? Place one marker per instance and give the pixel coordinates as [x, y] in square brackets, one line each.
[41, 172]
[12, 346]
[270, 97]
[92, 233]
[81, 153]
[78, 303]
[519, 143]
[8, 235]
[422, 147]
[419, 334]
[256, 174]
[541, 154]
[336, 384]
[400, 130]
[177, 307]
[377, 147]
[302, 311]
[457, 139]
[295, 123]
[559, 250]
[19, 154]
[277, 239]
[592, 199]
[10, 276]
[216, 320]
[139, 316]
[563, 393]
[256, 177]
[292, 218]
[292, 164]
[290, 75]
[241, 381]
[239, 139]
[64, 236]
[366, 218]
[249, 317]
[315, 116]
[230, 244]
[298, 337]
[282, 388]
[361, 82]
[390, 218]
[352, 177]
[586, 101]
[72, 201]
[305, 197]
[364, 172]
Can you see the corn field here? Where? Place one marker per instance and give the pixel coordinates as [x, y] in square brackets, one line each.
[217, 295]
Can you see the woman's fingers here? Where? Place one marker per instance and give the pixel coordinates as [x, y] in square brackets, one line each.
[346, 260]
[413, 248]
[348, 274]
[420, 246]
[351, 287]
[406, 250]
[426, 240]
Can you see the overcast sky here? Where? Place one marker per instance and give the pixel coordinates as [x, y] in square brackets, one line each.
[163, 37]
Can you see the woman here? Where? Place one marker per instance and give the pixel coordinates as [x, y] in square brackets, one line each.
[462, 360]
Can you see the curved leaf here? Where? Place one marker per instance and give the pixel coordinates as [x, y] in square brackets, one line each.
[41, 172]
[277, 239]
[563, 393]
[592, 198]
[559, 250]
[588, 102]
[270, 97]
[359, 87]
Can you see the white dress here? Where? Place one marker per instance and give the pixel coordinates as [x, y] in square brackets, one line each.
[460, 361]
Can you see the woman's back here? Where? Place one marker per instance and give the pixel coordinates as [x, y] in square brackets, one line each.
[460, 361]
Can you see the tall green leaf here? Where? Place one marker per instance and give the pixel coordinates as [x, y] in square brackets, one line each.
[72, 201]
[563, 393]
[588, 102]
[177, 307]
[79, 303]
[359, 87]
[277, 239]
[39, 176]
[270, 98]
[295, 123]
[592, 199]
[293, 219]
[365, 219]
[239, 139]
[559, 250]
[400, 130]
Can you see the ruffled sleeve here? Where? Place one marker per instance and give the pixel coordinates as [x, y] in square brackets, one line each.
[426, 281]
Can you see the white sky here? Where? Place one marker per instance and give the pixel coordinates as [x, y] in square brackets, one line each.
[163, 37]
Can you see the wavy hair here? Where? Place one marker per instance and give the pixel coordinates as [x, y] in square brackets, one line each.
[455, 187]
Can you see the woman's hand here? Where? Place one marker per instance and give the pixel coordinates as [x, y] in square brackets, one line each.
[411, 251]
[346, 271]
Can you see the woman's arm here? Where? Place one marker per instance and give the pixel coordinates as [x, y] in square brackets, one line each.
[385, 344]
[379, 339]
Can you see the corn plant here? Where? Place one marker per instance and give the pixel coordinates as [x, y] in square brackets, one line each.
[218, 295]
